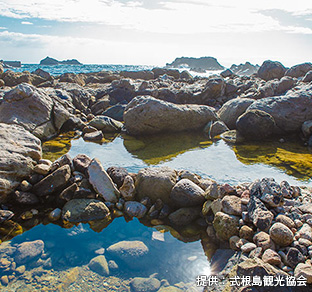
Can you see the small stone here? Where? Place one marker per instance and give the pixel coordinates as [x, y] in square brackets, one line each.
[55, 214]
[4, 280]
[81, 163]
[45, 161]
[112, 265]
[135, 209]
[94, 136]
[42, 169]
[117, 174]
[305, 242]
[127, 190]
[285, 220]
[212, 192]
[271, 257]
[304, 270]
[99, 265]
[184, 216]
[225, 225]
[298, 223]
[281, 234]
[28, 251]
[248, 247]
[100, 251]
[25, 198]
[25, 186]
[256, 253]
[20, 270]
[206, 207]
[246, 232]
[263, 240]
[144, 284]
[294, 257]
[305, 232]
[232, 205]
[233, 242]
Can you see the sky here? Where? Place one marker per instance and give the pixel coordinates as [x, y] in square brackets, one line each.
[155, 32]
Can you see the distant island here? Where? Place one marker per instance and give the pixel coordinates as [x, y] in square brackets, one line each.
[10, 64]
[51, 62]
[196, 64]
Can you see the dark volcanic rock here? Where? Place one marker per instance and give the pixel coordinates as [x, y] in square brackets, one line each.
[117, 174]
[81, 163]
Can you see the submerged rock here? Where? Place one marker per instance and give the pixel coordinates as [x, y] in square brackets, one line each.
[99, 265]
[28, 251]
[144, 284]
[135, 209]
[184, 216]
[147, 115]
[84, 210]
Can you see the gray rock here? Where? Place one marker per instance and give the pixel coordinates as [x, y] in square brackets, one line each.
[305, 232]
[294, 257]
[84, 210]
[54, 182]
[106, 124]
[101, 182]
[186, 194]
[17, 160]
[115, 112]
[307, 77]
[81, 163]
[144, 284]
[248, 247]
[270, 70]
[117, 174]
[133, 253]
[227, 73]
[270, 192]
[135, 209]
[232, 205]
[299, 70]
[184, 216]
[127, 190]
[63, 160]
[284, 85]
[99, 265]
[28, 251]
[147, 115]
[232, 109]
[214, 129]
[25, 198]
[94, 136]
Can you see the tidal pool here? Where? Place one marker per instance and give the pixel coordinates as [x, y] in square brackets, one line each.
[175, 257]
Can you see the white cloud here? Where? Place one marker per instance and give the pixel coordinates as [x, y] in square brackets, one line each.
[175, 16]
[2, 27]
[26, 23]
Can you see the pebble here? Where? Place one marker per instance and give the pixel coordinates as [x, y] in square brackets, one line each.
[4, 280]
[100, 251]
[25, 186]
[42, 169]
[248, 247]
[298, 223]
[271, 257]
[55, 214]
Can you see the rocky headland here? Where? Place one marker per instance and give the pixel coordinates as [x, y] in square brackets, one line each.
[267, 225]
[52, 62]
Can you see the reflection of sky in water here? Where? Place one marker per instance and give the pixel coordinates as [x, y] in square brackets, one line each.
[218, 161]
[172, 259]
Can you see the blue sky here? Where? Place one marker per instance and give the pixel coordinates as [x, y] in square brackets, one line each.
[155, 31]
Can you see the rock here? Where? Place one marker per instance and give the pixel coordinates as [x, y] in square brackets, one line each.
[147, 115]
[185, 193]
[304, 270]
[127, 190]
[132, 253]
[305, 232]
[259, 214]
[206, 207]
[99, 265]
[255, 125]
[34, 110]
[25, 186]
[54, 182]
[72, 78]
[63, 160]
[294, 257]
[212, 192]
[169, 289]
[263, 240]
[246, 232]
[84, 210]
[162, 71]
[5, 215]
[55, 214]
[299, 70]
[214, 129]
[135, 209]
[28, 251]
[144, 284]
[94, 136]
[115, 112]
[225, 225]
[25, 198]
[42, 169]
[232, 137]
[156, 183]
[289, 111]
[106, 124]
[232, 109]
[20, 270]
[232, 205]
[81, 163]
[248, 247]
[214, 88]
[306, 128]
[227, 73]
[269, 192]
[285, 220]
[186, 75]
[4, 280]
[17, 160]
[184, 216]
[101, 182]
[281, 234]
[270, 256]
[144, 74]
[117, 174]
[100, 106]
[43, 74]
[68, 193]
[307, 77]
[270, 70]
[113, 265]
[284, 85]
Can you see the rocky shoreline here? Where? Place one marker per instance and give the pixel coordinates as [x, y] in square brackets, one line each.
[268, 225]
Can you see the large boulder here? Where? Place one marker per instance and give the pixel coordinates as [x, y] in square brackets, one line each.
[33, 109]
[155, 183]
[270, 70]
[225, 225]
[28, 251]
[19, 152]
[289, 111]
[299, 70]
[148, 115]
[232, 109]
[99, 265]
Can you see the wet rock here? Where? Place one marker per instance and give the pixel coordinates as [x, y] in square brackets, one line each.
[294, 257]
[101, 182]
[81, 163]
[214, 129]
[207, 207]
[106, 124]
[55, 214]
[263, 240]
[20, 270]
[155, 183]
[94, 136]
[184, 216]
[147, 115]
[232, 109]
[84, 210]
[281, 234]
[233, 137]
[135, 209]
[53, 182]
[25, 198]
[28, 251]
[255, 124]
[304, 270]
[112, 265]
[270, 256]
[16, 159]
[270, 70]
[4, 280]
[225, 225]
[117, 174]
[299, 70]
[232, 205]
[132, 253]
[99, 265]
[144, 284]
[186, 193]
[127, 190]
